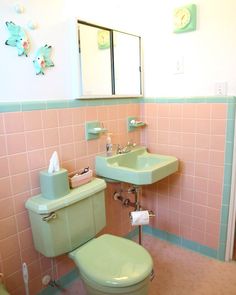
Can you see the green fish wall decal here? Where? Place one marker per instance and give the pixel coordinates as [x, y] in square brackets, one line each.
[18, 39]
[42, 59]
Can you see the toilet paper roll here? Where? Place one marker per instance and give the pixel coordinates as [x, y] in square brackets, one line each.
[140, 217]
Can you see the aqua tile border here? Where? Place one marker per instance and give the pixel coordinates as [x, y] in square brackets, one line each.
[179, 241]
[227, 179]
[75, 103]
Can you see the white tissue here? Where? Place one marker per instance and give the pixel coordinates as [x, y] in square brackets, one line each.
[140, 217]
[54, 163]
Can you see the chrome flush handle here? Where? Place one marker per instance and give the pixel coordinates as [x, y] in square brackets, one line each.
[49, 217]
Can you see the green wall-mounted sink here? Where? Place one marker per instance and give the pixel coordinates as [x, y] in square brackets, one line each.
[136, 167]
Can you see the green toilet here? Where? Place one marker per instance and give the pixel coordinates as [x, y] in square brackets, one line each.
[107, 264]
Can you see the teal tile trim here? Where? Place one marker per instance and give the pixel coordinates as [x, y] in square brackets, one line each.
[6, 107]
[179, 241]
[227, 178]
[75, 103]
[33, 105]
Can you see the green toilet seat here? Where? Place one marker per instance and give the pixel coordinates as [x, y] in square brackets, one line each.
[112, 261]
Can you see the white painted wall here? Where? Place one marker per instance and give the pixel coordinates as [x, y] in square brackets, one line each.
[209, 53]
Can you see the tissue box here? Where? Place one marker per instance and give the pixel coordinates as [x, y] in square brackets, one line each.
[77, 179]
[54, 185]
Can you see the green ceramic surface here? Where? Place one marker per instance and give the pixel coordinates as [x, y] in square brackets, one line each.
[137, 166]
[113, 261]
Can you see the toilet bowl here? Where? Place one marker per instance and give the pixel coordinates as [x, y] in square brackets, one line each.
[69, 224]
[113, 265]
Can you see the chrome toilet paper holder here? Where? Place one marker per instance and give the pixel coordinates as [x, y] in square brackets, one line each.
[150, 212]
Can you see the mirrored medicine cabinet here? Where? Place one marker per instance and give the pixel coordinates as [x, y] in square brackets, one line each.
[110, 62]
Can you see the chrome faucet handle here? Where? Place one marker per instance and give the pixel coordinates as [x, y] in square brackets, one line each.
[118, 149]
[130, 143]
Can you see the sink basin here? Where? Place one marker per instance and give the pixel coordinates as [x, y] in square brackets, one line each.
[136, 167]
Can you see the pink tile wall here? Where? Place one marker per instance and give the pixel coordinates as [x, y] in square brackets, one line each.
[27, 140]
[188, 203]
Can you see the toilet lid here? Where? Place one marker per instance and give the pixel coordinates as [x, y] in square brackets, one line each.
[113, 261]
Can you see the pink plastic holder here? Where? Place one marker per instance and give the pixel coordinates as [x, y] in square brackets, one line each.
[76, 179]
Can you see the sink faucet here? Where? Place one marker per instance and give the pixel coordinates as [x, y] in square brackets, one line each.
[125, 149]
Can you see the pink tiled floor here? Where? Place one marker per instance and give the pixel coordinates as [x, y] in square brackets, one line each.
[182, 272]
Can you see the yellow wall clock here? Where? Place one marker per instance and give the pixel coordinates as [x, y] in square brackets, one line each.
[185, 18]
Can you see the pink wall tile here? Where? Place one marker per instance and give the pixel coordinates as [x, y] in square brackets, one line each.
[202, 155]
[198, 224]
[214, 201]
[8, 227]
[203, 111]
[4, 171]
[14, 282]
[14, 122]
[36, 159]
[32, 120]
[218, 127]
[213, 215]
[2, 128]
[163, 110]
[188, 139]
[212, 228]
[34, 140]
[122, 112]
[112, 113]
[20, 183]
[201, 170]
[3, 145]
[198, 236]
[51, 137]
[199, 211]
[219, 111]
[18, 163]
[5, 187]
[65, 117]
[9, 246]
[91, 114]
[22, 221]
[67, 152]
[19, 202]
[203, 141]
[11, 264]
[216, 158]
[50, 119]
[217, 142]
[203, 126]
[189, 125]
[79, 132]
[16, 143]
[200, 198]
[26, 239]
[189, 110]
[78, 116]
[66, 134]
[211, 241]
[7, 204]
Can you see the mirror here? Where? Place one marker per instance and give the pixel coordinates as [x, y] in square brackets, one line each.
[110, 62]
[95, 61]
[127, 64]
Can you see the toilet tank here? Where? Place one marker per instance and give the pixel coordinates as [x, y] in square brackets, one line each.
[62, 225]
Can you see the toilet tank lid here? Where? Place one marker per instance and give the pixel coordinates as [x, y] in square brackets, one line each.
[41, 205]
